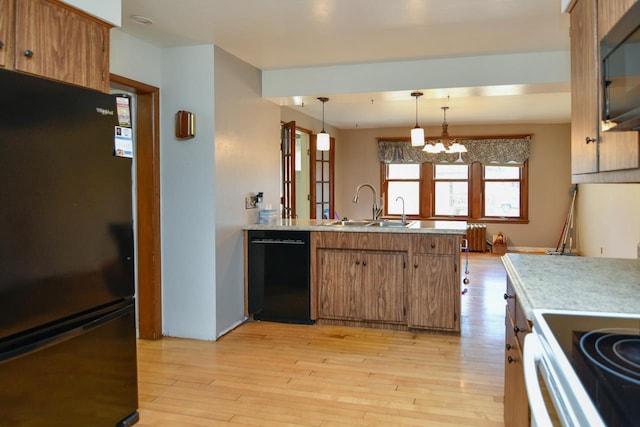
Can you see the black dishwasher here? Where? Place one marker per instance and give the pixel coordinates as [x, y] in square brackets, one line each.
[278, 276]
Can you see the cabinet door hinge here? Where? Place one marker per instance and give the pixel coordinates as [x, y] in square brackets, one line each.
[404, 264]
[103, 75]
[404, 311]
[455, 267]
[455, 316]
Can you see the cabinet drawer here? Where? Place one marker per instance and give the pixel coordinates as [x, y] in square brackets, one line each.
[448, 245]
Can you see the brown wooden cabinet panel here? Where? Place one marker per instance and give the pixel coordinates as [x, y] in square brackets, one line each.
[383, 287]
[584, 88]
[516, 405]
[618, 150]
[338, 284]
[361, 285]
[6, 33]
[55, 42]
[436, 244]
[610, 156]
[434, 295]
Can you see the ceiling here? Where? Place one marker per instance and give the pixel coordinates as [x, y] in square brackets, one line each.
[280, 34]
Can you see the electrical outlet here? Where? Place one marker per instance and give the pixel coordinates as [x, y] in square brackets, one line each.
[250, 202]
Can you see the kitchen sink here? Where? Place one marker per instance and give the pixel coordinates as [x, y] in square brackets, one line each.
[367, 223]
[388, 223]
[351, 222]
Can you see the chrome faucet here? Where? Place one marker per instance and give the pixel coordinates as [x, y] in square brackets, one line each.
[376, 211]
[404, 217]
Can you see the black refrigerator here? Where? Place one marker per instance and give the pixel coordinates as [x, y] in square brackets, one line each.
[67, 322]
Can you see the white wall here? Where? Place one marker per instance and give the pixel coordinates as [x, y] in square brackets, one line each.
[247, 160]
[187, 182]
[135, 59]
[108, 10]
[608, 220]
[187, 178]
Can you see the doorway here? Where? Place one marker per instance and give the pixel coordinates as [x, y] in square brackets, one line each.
[307, 175]
[147, 183]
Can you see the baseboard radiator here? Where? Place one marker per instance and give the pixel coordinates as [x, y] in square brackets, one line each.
[477, 237]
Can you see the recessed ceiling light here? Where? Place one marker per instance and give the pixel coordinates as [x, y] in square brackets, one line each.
[141, 19]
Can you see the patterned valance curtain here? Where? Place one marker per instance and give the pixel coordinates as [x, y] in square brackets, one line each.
[482, 150]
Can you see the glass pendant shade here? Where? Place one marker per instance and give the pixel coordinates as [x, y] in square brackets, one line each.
[417, 133]
[322, 141]
[417, 137]
[439, 148]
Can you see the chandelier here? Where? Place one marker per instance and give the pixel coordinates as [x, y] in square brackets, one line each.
[445, 144]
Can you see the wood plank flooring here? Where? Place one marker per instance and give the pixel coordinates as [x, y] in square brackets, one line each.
[273, 374]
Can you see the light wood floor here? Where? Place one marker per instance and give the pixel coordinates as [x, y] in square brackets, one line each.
[273, 374]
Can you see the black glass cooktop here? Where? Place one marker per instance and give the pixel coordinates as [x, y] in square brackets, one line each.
[604, 352]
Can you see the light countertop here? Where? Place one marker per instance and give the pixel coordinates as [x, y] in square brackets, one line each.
[561, 282]
[420, 227]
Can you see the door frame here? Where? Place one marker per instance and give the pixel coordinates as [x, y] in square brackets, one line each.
[147, 134]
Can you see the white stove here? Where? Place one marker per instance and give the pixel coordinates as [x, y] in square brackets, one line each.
[588, 363]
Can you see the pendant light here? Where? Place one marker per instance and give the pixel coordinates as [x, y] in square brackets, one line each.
[323, 142]
[417, 133]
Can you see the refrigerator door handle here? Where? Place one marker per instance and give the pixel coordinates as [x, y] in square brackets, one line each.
[67, 331]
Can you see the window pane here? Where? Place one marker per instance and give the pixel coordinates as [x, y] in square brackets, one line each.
[404, 171]
[451, 172]
[502, 172]
[502, 199]
[410, 192]
[452, 198]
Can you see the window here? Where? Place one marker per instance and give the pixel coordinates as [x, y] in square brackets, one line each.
[502, 191]
[490, 193]
[403, 180]
[451, 190]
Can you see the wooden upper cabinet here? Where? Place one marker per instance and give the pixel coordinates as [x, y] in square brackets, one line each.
[584, 88]
[6, 36]
[618, 150]
[596, 155]
[56, 42]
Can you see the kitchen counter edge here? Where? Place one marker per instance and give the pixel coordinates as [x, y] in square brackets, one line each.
[415, 227]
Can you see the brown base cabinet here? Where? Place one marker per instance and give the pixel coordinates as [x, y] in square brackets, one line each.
[361, 285]
[434, 300]
[387, 280]
[516, 404]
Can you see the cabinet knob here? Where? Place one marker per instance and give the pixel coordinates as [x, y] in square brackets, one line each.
[364, 262]
[415, 265]
[589, 139]
[510, 359]
[517, 329]
[433, 245]
[507, 296]
[28, 53]
[357, 262]
[1, 44]
[508, 346]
